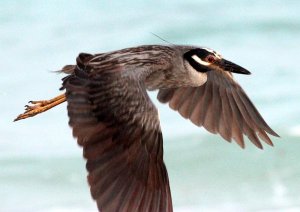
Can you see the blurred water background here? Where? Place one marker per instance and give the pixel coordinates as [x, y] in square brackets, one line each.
[41, 166]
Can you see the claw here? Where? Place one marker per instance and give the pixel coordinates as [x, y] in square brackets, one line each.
[32, 107]
[39, 102]
[27, 107]
[38, 107]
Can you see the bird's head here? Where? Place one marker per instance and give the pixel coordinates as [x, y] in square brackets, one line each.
[205, 59]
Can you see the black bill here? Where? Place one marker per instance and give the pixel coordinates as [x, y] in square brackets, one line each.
[232, 67]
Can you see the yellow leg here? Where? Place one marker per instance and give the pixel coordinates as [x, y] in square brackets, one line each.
[41, 106]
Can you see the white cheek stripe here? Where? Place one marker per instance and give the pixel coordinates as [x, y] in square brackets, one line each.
[198, 60]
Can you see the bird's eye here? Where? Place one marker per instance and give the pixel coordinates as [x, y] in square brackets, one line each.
[210, 59]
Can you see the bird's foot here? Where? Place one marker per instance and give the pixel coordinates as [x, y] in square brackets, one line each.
[37, 107]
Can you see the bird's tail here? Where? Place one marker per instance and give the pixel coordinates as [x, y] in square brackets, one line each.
[81, 62]
[68, 69]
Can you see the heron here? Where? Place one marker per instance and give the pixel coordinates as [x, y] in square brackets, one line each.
[118, 127]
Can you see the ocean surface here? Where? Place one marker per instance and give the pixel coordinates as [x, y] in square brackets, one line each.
[41, 166]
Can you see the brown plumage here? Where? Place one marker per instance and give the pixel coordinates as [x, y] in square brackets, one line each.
[118, 127]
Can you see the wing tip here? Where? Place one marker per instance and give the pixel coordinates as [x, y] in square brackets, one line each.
[242, 145]
[271, 132]
[276, 135]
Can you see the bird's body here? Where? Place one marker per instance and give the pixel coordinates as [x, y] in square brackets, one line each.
[153, 64]
[118, 127]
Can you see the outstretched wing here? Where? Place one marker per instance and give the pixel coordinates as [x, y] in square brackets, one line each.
[220, 106]
[118, 127]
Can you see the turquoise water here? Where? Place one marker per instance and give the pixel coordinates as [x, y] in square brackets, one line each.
[41, 166]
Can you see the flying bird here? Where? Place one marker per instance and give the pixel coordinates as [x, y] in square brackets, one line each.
[116, 123]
